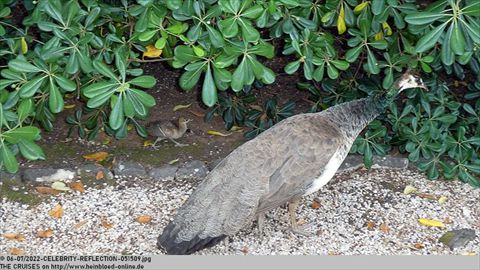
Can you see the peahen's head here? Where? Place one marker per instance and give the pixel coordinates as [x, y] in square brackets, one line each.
[406, 81]
[409, 80]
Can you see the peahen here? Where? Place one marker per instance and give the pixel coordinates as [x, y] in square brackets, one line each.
[294, 158]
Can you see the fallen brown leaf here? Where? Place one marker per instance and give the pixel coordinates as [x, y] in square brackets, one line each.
[244, 250]
[370, 225]
[384, 228]
[301, 221]
[144, 219]
[45, 234]
[106, 224]
[197, 114]
[419, 246]
[78, 186]
[56, 212]
[98, 156]
[447, 220]
[47, 190]
[427, 196]
[17, 251]
[315, 205]
[14, 236]
[80, 224]
[100, 175]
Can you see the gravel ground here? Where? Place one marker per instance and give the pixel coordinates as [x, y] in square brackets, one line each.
[359, 213]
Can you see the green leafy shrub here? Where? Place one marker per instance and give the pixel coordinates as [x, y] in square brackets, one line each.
[93, 50]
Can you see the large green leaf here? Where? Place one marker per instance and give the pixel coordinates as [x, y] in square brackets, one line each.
[31, 87]
[457, 40]
[430, 39]
[65, 83]
[116, 117]
[104, 69]
[8, 159]
[23, 66]
[209, 91]
[55, 100]
[28, 133]
[419, 18]
[145, 81]
[30, 150]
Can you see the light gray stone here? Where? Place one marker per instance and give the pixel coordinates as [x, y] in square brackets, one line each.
[192, 169]
[128, 168]
[390, 162]
[163, 173]
[457, 238]
[91, 170]
[47, 174]
[4, 176]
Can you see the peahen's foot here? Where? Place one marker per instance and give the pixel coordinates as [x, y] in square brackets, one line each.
[292, 207]
[297, 230]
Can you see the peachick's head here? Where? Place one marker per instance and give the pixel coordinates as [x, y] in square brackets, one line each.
[183, 121]
[409, 80]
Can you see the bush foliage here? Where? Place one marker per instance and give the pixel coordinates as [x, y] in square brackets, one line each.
[93, 50]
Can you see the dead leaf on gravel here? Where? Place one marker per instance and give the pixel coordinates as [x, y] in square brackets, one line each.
[427, 196]
[144, 219]
[409, 190]
[442, 199]
[56, 212]
[384, 228]
[431, 222]
[14, 236]
[45, 234]
[100, 175]
[98, 156]
[315, 205]
[419, 246]
[78, 186]
[370, 225]
[244, 250]
[301, 221]
[80, 224]
[17, 251]
[106, 224]
[60, 186]
[47, 190]
[447, 220]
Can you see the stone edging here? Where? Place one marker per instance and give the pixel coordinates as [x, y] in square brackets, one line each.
[190, 169]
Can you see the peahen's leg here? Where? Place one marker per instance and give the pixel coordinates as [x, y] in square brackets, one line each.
[260, 222]
[292, 207]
